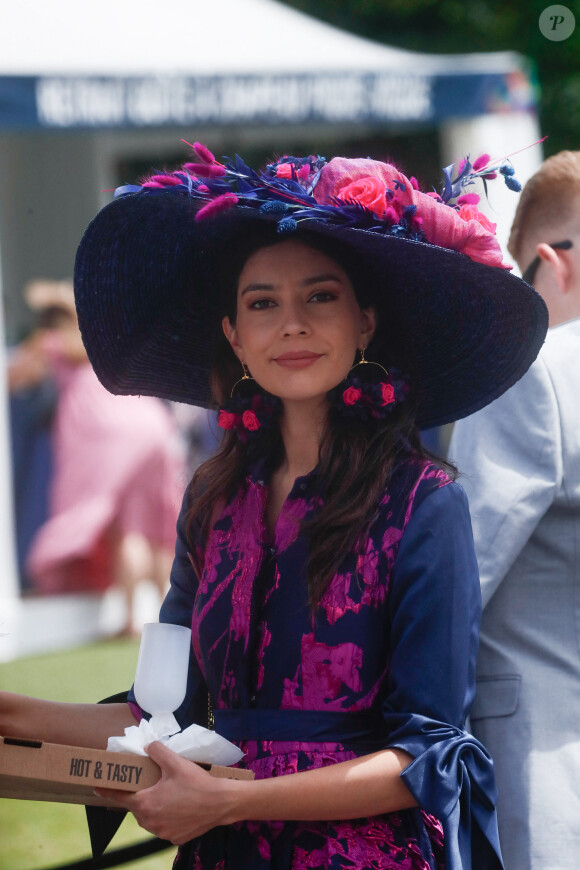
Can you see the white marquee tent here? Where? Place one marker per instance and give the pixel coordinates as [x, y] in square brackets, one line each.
[85, 84]
[122, 63]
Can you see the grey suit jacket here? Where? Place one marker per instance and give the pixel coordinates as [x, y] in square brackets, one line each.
[520, 458]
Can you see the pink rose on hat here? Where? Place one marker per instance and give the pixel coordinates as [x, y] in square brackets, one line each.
[443, 226]
[284, 170]
[470, 212]
[370, 192]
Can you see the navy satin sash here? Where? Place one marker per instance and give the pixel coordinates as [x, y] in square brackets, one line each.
[302, 726]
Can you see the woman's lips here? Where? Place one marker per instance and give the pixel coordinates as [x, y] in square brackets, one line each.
[296, 359]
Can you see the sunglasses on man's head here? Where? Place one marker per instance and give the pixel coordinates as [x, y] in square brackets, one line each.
[530, 272]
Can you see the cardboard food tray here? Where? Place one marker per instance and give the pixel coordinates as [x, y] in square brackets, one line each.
[37, 771]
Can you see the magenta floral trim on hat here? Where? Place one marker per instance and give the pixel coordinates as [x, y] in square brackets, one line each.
[361, 194]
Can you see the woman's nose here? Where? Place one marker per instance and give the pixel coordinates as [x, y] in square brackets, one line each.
[294, 320]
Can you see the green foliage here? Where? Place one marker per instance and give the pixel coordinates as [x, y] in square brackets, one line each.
[454, 26]
[37, 835]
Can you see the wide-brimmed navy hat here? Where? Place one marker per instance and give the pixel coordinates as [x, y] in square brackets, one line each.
[147, 274]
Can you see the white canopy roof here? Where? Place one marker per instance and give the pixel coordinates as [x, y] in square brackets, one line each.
[135, 63]
[199, 37]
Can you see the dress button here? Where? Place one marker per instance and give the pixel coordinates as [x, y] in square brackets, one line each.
[253, 699]
[272, 551]
[302, 486]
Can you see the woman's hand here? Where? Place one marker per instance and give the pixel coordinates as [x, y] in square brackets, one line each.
[185, 803]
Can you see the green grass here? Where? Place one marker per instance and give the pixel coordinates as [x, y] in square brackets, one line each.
[38, 835]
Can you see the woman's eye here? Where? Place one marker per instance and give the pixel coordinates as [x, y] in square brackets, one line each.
[322, 296]
[260, 304]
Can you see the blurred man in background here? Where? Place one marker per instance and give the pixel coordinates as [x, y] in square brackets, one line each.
[520, 458]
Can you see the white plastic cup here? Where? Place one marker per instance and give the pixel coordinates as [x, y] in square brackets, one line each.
[161, 675]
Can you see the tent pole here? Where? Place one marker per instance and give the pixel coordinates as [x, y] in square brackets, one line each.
[10, 601]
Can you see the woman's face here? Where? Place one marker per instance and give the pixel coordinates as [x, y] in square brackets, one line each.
[298, 323]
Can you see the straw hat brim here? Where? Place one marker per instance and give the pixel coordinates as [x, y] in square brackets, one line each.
[149, 308]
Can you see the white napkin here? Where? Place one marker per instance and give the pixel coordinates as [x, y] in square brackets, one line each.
[195, 743]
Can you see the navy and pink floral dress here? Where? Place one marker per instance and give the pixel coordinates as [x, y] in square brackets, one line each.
[387, 660]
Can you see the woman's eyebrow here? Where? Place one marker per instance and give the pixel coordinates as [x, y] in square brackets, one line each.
[306, 282]
[260, 287]
[319, 279]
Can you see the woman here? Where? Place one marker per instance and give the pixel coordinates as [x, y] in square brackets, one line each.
[323, 559]
[115, 488]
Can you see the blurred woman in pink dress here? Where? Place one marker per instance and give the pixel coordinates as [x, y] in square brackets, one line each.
[118, 467]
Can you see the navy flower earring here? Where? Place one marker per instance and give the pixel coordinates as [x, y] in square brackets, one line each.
[369, 391]
[250, 411]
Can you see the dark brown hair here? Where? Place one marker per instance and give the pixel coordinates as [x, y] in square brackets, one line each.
[356, 459]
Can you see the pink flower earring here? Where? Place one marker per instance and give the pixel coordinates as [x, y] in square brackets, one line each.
[248, 412]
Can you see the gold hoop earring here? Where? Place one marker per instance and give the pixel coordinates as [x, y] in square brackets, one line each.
[366, 362]
[245, 377]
